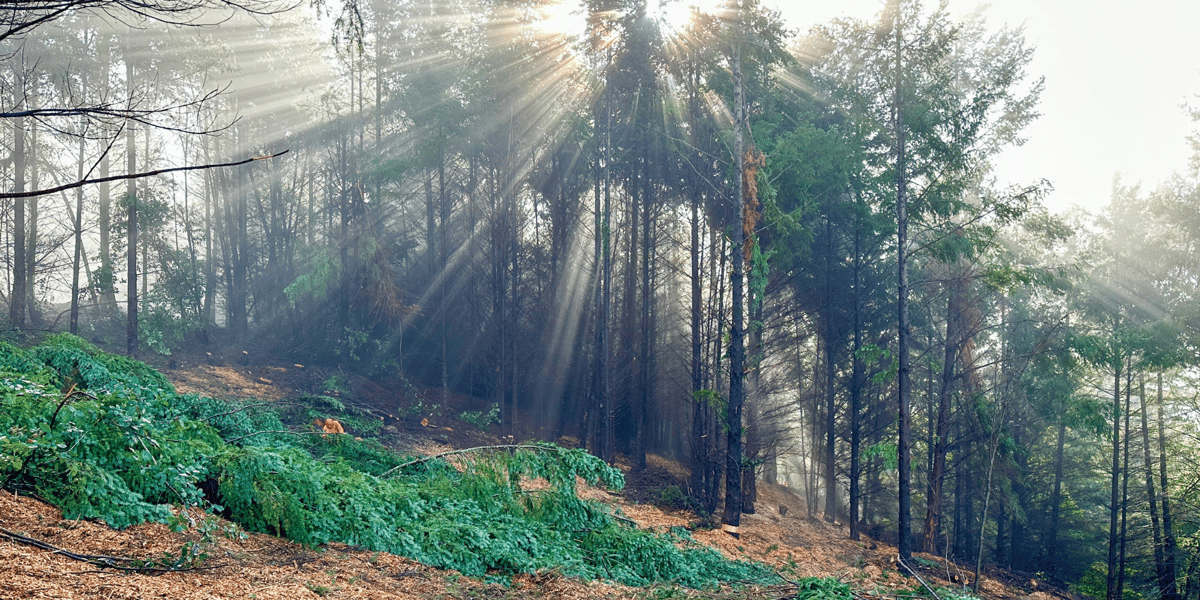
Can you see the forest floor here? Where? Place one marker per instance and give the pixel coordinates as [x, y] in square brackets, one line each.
[780, 533]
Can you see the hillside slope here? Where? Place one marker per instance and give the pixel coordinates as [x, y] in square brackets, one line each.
[40, 551]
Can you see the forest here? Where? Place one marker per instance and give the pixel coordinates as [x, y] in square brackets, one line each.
[772, 255]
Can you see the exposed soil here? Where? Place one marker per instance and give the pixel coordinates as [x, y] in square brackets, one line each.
[260, 566]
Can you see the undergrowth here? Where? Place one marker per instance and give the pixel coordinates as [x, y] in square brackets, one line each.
[822, 588]
[108, 438]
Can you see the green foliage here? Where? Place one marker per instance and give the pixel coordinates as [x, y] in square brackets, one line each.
[886, 451]
[822, 588]
[336, 383]
[315, 284]
[322, 407]
[920, 591]
[1094, 583]
[171, 308]
[717, 403]
[481, 419]
[758, 276]
[675, 498]
[956, 594]
[353, 344]
[70, 356]
[108, 438]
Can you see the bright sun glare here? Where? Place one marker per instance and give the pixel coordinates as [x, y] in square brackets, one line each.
[569, 17]
[675, 15]
[565, 17]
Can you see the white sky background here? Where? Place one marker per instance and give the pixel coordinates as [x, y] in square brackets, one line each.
[1117, 74]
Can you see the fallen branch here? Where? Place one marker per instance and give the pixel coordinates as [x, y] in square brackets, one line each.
[461, 451]
[104, 562]
[631, 522]
[915, 573]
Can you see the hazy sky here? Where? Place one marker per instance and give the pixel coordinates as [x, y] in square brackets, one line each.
[1117, 73]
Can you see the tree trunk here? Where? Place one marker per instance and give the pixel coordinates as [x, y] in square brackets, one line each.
[594, 423]
[1018, 555]
[443, 274]
[1152, 497]
[737, 353]
[1167, 585]
[208, 307]
[1056, 500]
[856, 375]
[646, 353]
[239, 242]
[904, 442]
[1125, 486]
[715, 447]
[16, 306]
[830, 379]
[78, 221]
[698, 404]
[107, 277]
[756, 428]
[35, 316]
[131, 229]
[941, 441]
[1114, 509]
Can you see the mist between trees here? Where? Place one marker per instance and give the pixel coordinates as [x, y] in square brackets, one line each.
[771, 255]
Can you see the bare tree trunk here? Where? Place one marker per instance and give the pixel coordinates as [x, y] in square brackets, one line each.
[698, 404]
[107, 278]
[956, 304]
[1056, 499]
[1125, 485]
[1167, 585]
[737, 354]
[210, 277]
[1114, 509]
[35, 316]
[1159, 562]
[987, 498]
[830, 389]
[444, 265]
[645, 370]
[16, 306]
[602, 419]
[856, 375]
[904, 442]
[131, 323]
[78, 220]
[595, 407]
[756, 429]
[715, 449]
[515, 310]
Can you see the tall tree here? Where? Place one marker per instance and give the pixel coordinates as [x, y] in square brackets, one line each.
[16, 305]
[131, 224]
[941, 98]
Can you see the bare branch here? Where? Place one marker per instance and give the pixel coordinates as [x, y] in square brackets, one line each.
[19, 17]
[108, 112]
[84, 182]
